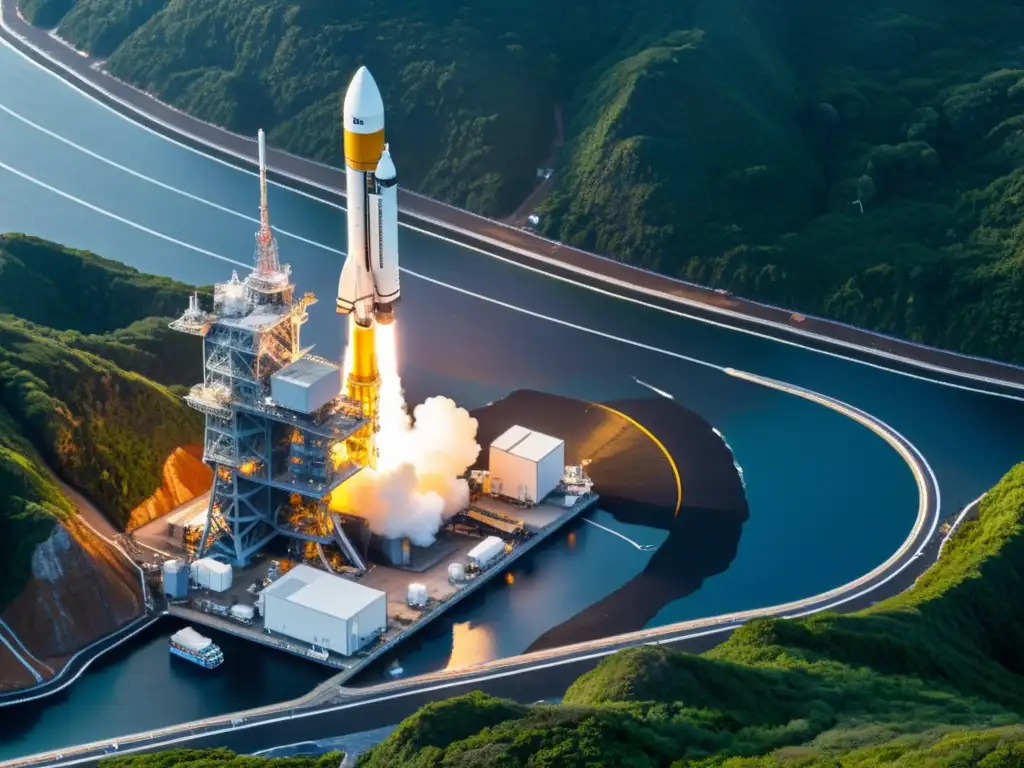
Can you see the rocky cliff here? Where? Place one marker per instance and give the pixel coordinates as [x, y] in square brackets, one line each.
[92, 429]
[185, 477]
[80, 589]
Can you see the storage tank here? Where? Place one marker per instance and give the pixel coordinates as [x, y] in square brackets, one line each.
[456, 573]
[417, 595]
[486, 552]
[242, 612]
[175, 578]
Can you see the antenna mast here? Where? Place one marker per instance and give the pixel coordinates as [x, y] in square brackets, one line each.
[267, 261]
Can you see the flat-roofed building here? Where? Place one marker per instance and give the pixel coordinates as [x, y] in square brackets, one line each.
[324, 610]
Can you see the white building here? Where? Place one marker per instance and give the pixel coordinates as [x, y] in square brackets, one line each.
[526, 465]
[211, 574]
[325, 610]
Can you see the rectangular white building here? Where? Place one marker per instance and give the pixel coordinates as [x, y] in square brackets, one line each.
[211, 574]
[324, 610]
[526, 465]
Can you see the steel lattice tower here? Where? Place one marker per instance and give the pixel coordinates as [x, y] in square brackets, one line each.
[274, 468]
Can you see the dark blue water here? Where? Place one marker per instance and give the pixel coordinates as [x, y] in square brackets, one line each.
[828, 499]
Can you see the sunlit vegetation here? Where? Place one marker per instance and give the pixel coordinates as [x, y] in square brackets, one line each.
[76, 340]
[931, 678]
[862, 160]
[218, 758]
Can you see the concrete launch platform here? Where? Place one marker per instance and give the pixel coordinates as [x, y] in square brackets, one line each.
[403, 620]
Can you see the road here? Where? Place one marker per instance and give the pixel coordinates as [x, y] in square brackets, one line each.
[466, 228]
[89, 515]
[529, 679]
[540, 675]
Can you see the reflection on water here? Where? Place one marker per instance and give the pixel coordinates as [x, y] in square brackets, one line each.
[472, 643]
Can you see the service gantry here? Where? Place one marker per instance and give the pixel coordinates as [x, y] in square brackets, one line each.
[275, 464]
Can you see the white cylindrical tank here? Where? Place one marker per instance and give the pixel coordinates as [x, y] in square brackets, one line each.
[384, 233]
[242, 612]
[456, 572]
[417, 594]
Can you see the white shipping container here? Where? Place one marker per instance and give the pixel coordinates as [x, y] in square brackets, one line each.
[486, 552]
[243, 612]
[211, 574]
[456, 572]
[526, 465]
[220, 576]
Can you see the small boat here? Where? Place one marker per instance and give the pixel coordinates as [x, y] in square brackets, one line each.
[189, 644]
[395, 669]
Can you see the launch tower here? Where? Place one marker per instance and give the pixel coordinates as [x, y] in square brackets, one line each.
[277, 422]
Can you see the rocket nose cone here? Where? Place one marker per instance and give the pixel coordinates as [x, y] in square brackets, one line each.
[363, 100]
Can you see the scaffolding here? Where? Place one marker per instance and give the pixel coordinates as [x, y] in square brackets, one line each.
[264, 456]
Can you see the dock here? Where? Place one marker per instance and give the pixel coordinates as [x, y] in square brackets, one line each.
[541, 521]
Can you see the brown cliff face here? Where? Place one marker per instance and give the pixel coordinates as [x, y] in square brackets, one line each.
[185, 477]
[81, 589]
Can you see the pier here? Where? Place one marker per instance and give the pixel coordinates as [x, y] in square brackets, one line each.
[541, 522]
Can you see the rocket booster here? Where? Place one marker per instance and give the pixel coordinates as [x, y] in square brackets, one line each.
[369, 278]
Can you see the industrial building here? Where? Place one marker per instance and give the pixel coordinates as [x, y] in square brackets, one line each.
[526, 465]
[327, 611]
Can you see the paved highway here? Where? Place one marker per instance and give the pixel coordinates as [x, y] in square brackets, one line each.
[470, 230]
[541, 675]
[545, 675]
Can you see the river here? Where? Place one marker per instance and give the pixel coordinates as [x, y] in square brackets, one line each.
[828, 499]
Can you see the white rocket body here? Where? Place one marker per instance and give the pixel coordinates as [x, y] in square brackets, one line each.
[369, 284]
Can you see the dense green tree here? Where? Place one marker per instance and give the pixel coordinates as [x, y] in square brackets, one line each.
[860, 161]
[73, 394]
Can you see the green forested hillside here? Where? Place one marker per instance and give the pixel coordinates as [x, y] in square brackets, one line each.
[889, 686]
[933, 678]
[723, 141]
[71, 394]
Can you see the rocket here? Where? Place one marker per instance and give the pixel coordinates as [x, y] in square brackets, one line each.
[368, 286]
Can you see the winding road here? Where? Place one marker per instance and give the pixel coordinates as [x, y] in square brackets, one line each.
[329, 711]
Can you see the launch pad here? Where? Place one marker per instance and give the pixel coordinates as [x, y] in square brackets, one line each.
[286, 430]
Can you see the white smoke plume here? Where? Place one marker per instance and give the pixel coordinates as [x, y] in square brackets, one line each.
[416, 485]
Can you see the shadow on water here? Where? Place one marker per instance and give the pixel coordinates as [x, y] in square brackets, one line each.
[135, 686]
[638, 486]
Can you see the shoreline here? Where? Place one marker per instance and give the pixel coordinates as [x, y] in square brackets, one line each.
[541, 674]
[494, 238]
